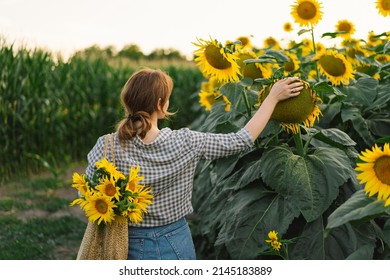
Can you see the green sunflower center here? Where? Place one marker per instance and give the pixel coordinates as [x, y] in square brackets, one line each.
[101, 206]
[110, 189]
[306, 10]
[334, 66]
[215, 58]
[382, 169]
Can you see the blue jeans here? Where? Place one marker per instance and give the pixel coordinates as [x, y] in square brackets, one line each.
[168, 242]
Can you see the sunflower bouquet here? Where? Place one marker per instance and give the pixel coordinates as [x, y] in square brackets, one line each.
[110, 195]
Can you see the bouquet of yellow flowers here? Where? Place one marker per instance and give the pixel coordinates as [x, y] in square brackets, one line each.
[110, 195]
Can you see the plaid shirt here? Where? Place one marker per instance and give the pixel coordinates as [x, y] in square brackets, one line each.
[168, 165]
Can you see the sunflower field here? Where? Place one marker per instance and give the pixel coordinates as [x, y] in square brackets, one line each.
[317, 183]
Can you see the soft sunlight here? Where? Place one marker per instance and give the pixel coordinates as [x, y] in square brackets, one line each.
[69, 25]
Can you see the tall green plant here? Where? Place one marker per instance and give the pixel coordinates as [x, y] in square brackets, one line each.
[288, 183]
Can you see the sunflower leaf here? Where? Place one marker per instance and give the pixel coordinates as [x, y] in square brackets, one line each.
[358, 207]
[332, 136]
[244, 230]
[303, 31]
[279, 55]
[332, 34]
[351, 113]
[311, 182]
[342, 243]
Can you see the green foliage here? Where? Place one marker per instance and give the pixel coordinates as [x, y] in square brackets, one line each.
[303, 186]
[53, 111]
[37, 238]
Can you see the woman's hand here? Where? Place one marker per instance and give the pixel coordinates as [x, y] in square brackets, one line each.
[281, 90]
[285, 88]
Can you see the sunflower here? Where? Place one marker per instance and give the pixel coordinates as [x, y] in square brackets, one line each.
[207, 99]
[274, 240]
[383, 7]
[215, 60]
[210, 94]
[100, 208]
[271, 43]
[335, 67]
[345, 26]
[366, 68]
[134, 215]
[296, 110]
[134, 178]
[252, 70]
[245, 43]
[373, 40]
[108, 187]
[375, 172]
[320, 48]
[110, 168]
[382, 58]
[312, 76]
[306, 46]
[307, 12]
[287, 27]
[291, 65]
[143, 198]
[80, 183]
[352, 53]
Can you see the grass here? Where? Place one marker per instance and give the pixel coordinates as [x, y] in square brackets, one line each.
[36, 221]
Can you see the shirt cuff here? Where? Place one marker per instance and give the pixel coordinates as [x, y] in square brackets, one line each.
[246, 137]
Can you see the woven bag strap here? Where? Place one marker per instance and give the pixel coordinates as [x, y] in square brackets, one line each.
[109, 137]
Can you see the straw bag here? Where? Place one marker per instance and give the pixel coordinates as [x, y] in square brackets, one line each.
[105, 241]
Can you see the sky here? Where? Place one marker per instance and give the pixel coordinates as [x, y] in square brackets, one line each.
[68, 25]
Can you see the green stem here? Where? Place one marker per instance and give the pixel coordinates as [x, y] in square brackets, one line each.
[248, 108]
[314, 50]
[299, 143]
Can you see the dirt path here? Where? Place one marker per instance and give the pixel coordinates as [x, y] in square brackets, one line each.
[8, 192]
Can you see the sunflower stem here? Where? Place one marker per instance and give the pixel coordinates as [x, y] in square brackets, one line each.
[248, 108]
[299, 143]
[314, 49]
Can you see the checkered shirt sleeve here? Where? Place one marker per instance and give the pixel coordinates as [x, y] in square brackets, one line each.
[168, 165]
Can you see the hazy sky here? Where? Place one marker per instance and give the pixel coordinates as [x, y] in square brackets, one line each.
[68, 25]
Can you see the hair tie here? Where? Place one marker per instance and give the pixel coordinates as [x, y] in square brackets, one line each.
[133, 118]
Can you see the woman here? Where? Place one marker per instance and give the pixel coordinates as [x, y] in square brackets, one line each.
[168, 159]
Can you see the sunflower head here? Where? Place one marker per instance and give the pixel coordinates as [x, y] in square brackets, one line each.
[271, 43]
[292, 112]
[245, 43]
[214, 60]
[383, 7]
[291, 65]
[335, 67]
[273, 240]
[80, 183]
[306, 12]
[108, 187]
[99, 208]
[287, 27]
[252, 70]
[345, 26]
[110, 168]
[382, 58]
[374, 172]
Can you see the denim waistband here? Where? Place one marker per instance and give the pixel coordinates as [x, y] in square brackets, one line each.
[156, 231]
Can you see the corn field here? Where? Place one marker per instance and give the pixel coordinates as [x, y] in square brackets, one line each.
[52, 111]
